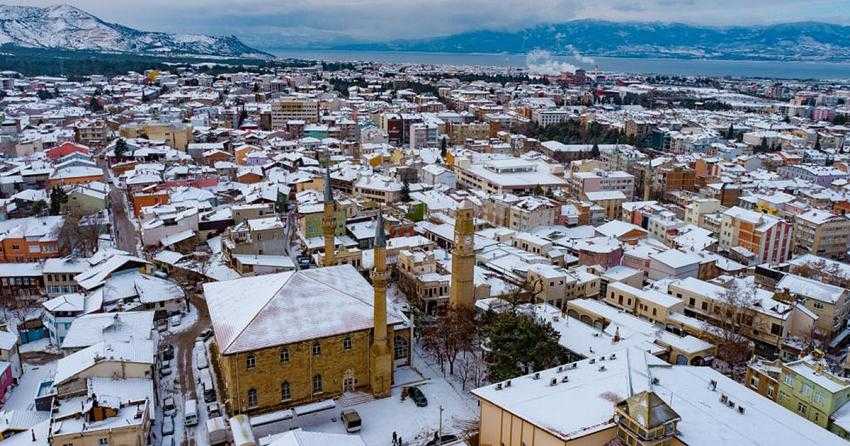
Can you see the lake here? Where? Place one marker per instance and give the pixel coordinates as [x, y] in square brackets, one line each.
[685, 67]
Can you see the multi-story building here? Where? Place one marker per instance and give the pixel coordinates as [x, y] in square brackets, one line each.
[510, 175]
[422, 281]
[829, 302]
[764, 320]
[423, 135]
[294, 108]
[556, 286]
[177, 135]
[821, 233]
[520, 213]
[30, 239]
[755, 237]
[95, 133]
[809, 389]
[600, 180]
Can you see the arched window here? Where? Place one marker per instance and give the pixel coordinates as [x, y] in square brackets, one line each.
[285, 392]
[252, 398]
[250, 361]
[317, 383]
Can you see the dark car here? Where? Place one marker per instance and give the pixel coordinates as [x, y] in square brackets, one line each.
[444, 439]
[206, 334]
[417, 396]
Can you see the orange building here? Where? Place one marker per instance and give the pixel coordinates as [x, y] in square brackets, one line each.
[143, 200]
[74, 175]
[29, 239]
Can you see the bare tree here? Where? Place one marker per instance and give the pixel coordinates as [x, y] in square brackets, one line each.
[735, 322]
[78, 235]
[453, 332]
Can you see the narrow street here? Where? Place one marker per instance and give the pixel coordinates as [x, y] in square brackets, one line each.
[125, 234]
[185, 342]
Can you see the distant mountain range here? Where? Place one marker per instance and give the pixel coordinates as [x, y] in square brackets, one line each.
[69, 28]
[787, 41]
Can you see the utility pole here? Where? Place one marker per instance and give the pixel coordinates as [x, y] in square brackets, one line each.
[440, 428]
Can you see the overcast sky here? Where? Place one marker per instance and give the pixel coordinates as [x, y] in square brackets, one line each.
[258, 20]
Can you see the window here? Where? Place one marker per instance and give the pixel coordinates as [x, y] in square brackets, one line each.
[806, 390]
[103, 441]
[818, 398]
[346, 343]
[789, 380]
[317, 349]
[250, 361]
[801, 408]
[284, 355]
[776, 329]
[400, 347]
[770, 392]
[317, 383]
[285, 392]
[252, 398]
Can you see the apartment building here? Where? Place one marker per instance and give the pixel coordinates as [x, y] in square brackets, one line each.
[30, 239]
[829, 302]
[557, 285]
[754, 237]
[508, 175]
[767, 321]
[520, 213]
[420, 280]
[809, 389]
[821, 233]
[294, 108]
[94, 133]
[649, 304]
[600, 180]
[177, 135]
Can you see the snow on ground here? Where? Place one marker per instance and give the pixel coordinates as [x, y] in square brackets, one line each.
[415, 425]
[169, 386]
[22, 396]
[186, 322]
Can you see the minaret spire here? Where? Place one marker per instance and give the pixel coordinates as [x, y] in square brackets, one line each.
[380, 375]
[329, 223]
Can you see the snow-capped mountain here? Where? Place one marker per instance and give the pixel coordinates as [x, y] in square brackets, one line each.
[783, 41]
[66, 27]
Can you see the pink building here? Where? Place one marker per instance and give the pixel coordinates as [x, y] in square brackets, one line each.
[5, 379]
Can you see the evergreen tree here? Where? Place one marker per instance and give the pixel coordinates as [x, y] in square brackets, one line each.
[519, 344]
[58, 197]
[731, 132]
[405, 191]
[443, 148]
[817, 142]
[94, 105]
[281, 204]
[120, 148]
[594, 151]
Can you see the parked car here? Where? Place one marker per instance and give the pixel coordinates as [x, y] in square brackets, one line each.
[442, 440]
[190, 412]
[213, 410]
[168, 407]
[176, 319]
[167, 426]
[351, 419]
[417, 396]
[166, 352]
